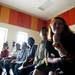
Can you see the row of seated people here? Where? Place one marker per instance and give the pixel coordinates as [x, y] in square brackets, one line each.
[50, 56]
[56, 56]
[18, 57]
[40, 65]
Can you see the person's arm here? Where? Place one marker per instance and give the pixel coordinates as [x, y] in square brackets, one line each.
[61, 50]
[54, 60]
[36, 56]
[30, 58]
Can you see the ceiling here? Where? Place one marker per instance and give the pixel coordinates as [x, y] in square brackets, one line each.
[43, 9]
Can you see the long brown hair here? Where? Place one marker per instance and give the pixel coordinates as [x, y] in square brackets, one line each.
[66, 30]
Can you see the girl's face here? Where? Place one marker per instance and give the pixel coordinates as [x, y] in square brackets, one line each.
[57, 26]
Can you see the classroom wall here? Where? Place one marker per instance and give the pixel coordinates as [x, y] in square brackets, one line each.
[16, 21]
[69, 17]
[16, 18]
[13, 30]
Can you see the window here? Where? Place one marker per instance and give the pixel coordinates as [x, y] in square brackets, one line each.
[3, 36]
[22, 37]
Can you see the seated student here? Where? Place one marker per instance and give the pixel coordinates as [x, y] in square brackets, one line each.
[32, 48]
[13, 48]
[14, 56]
[5, 51]
[28, 64]
[45, 50]
[17, 51]
[64, 43]
[4, 55]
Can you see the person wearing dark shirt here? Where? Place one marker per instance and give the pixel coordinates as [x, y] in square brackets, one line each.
[44, 51]
[33, 48]
[28, 65]
[64, 43]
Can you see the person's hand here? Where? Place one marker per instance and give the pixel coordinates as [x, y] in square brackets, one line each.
[61, 50]
[56, 41]
[58, 45]
[54, 60]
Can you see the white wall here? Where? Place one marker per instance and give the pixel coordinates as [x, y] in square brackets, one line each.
[13, 30]
[72, 27]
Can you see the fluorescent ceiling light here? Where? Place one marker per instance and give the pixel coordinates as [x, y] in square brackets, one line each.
[45, 5]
